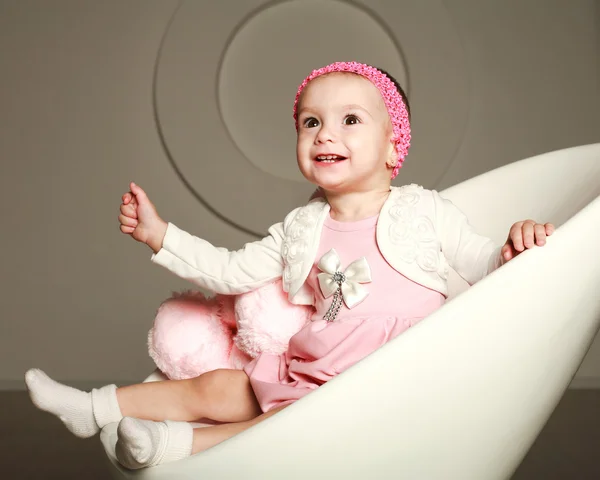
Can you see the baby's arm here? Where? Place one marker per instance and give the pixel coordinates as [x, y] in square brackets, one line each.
[194, 259]
[473, 256]
[218, 269]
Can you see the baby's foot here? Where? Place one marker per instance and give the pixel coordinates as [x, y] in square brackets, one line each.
[72, 406]
[144, 443]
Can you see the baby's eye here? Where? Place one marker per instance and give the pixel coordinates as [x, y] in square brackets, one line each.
[351, 120]
[311, 122]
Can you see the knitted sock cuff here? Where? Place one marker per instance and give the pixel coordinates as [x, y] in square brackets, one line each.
[105, 405]
[179, 441]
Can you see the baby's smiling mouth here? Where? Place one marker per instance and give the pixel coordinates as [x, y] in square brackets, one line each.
[329, 158]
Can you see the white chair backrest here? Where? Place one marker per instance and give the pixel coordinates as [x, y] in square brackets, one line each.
[534, 188]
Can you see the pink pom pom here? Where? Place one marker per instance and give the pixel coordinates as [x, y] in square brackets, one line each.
[267, 320]
[190, 336]
[226, 310]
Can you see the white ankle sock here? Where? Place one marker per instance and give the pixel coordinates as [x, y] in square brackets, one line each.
[82, 413]
[144, 443]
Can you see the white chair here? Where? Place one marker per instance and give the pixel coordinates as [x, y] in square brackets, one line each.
[463, 394]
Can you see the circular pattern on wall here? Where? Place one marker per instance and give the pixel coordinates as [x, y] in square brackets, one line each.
[226, 79]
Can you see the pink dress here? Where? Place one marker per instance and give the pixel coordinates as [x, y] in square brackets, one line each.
[322, 349]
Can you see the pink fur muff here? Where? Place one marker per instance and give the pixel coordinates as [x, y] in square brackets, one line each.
[193, 334]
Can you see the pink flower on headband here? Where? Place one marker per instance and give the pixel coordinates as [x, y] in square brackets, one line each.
[391, 97]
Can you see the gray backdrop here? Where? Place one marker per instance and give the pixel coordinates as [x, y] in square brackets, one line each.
[192, 100]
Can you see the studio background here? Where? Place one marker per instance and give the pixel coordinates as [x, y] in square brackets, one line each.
[192, 100]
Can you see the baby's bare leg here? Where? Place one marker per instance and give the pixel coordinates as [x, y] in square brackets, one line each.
[207, 437]
[144, 443]
[221, 395]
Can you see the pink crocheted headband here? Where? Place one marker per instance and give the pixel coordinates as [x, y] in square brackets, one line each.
[391, 96]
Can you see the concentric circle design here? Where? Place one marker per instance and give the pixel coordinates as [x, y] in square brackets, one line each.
[226, 79]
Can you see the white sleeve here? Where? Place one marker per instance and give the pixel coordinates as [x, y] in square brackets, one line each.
[218, 269]
[473, 256]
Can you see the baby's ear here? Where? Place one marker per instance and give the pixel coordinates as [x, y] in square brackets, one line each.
[392, 154]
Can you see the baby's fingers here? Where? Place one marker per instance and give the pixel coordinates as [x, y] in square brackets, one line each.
[129, 210]
[129, 199]
[528, 234]
[515, 236]
[507, 251]
[540, 234]
[125, 229]
[128, 221]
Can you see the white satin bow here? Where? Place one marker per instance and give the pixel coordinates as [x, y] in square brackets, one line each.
[332, 278]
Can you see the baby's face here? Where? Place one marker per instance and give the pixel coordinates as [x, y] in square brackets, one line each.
[343, 116]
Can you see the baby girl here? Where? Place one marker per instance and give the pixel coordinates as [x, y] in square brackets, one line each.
[372, 259]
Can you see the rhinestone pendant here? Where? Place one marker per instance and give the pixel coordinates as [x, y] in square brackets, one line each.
[336, 304]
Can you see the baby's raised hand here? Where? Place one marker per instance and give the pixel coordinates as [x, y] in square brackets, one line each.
[524, 235]
[139, 218]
